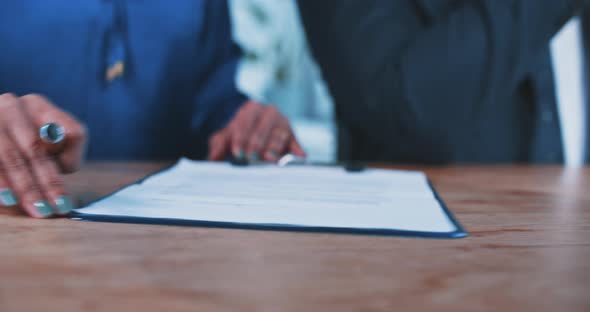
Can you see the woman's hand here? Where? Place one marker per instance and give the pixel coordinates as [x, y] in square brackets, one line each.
[257, 132]
[30, 176]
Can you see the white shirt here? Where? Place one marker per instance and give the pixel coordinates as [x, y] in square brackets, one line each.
[568, 61]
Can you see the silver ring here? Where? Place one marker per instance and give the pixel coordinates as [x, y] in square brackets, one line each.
[52, 133]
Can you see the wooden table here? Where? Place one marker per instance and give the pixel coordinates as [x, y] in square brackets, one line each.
[529, 250]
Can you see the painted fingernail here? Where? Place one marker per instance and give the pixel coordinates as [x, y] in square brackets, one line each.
[254, 157]
[7, 198]
[64, 204]
[241, 154]
[43, 208]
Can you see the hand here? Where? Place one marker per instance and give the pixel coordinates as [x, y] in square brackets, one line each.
[30, 177]
[256, 132]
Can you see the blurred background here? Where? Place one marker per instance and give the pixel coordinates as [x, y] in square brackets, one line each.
[277, 68]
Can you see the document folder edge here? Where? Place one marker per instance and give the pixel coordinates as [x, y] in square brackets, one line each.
[458, 233]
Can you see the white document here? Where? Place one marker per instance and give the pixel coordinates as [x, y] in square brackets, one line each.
[327, 197]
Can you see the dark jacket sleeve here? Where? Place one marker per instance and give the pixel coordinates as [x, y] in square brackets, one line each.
[417, 67]
[217, 98]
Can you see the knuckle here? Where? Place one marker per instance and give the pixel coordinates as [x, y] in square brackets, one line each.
[29, 187]
[55, 182]
[13, 161]
[242, 111]
[41, 158]
[252, 104]
[35, 97]
[272, 110]
[232, 126]
[7, 97]
[79, 131]
[34, 151]
[242, 116]
[8, 102]
[256, 109]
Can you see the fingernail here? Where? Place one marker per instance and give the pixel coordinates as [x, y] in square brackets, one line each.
[273, 154]
[241, 154]
[254, 157]
[64, 204]
[7, 198]
[43, 208]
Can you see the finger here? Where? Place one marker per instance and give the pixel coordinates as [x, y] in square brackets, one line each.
[259, 137]
[241, 127]
[277, 144]
[24, 159]
[219, 145]
[42, 164]
[51, 182]
[295, 148]
[21, 181]
[7, 196]
[42, 112]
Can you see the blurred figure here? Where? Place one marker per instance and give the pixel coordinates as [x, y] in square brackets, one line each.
[148, 80]
[277, 67]
[453, 81]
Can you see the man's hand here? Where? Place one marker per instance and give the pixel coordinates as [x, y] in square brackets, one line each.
[30, 177]
[256, 132]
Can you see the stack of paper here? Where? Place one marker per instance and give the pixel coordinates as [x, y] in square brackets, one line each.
[299, 197]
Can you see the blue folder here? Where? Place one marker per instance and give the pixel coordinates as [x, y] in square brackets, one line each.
[459, 231]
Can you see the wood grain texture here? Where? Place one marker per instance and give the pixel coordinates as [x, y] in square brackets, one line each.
[529, 250]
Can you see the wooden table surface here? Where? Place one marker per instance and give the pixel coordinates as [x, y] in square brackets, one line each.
[528, 250]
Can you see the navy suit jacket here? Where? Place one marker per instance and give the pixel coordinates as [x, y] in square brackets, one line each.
[441, 81]
[178, 86]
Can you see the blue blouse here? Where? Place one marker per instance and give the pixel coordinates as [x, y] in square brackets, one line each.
[151, 79]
